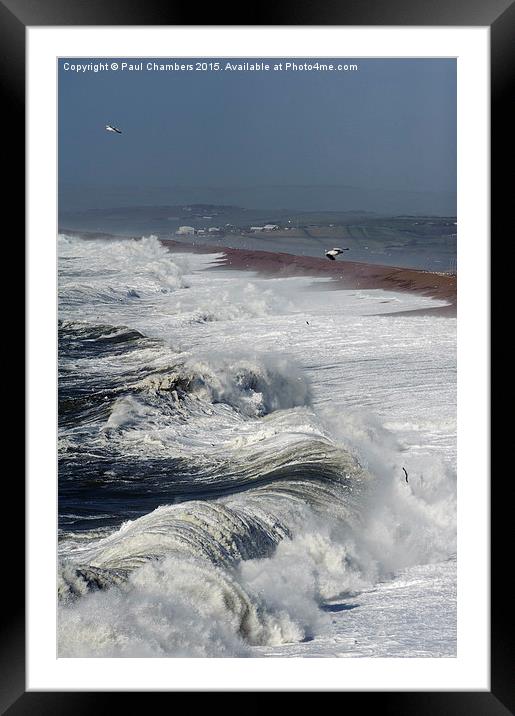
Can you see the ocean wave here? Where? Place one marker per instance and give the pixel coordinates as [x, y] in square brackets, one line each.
[244, 301]
[215, 500]
[255, 385]
[173, 607]
[85, 331]
[143, 268]
[182, 564]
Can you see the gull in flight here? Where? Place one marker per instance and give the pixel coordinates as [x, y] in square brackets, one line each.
[333, 253]
[113, 129]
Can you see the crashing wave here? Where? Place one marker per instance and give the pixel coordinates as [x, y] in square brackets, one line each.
[254, 385]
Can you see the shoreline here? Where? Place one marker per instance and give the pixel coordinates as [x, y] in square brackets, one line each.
[344, 274]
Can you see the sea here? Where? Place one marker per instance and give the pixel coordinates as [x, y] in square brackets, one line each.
[249, 466]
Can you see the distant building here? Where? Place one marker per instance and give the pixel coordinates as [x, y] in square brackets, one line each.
[185, 231]
[266, 227]
[214, 230]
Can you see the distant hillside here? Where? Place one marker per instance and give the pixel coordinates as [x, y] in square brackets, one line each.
[341, 198]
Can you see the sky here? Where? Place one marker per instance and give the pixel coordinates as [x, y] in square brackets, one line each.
[297, 139]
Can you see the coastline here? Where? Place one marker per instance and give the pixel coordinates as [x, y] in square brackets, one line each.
[344, 274]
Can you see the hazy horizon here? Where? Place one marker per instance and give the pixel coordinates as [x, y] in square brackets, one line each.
[288, 198]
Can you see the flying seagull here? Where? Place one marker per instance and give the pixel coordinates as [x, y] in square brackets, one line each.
[113, 129]
[405, 474]
[333, 253]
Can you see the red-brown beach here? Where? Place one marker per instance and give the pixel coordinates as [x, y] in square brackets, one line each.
[345, 274]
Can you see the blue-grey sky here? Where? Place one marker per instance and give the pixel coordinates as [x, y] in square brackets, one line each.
[255, 138]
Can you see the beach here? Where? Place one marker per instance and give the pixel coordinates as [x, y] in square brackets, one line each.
[344, 274]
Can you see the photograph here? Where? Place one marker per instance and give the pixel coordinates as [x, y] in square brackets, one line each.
[257, 396]
[257, 357]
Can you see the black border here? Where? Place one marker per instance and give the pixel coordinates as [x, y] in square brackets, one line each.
[499, 15]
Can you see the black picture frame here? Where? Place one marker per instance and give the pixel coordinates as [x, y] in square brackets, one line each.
[499, 16]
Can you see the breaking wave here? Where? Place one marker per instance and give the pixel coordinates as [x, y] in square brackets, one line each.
[210, 499]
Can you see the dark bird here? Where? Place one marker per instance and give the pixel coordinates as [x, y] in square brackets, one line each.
[307, 322]
[333, 253]
[113, 129]
[405, 474]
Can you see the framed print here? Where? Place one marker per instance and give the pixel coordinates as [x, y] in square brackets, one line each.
[258, 292]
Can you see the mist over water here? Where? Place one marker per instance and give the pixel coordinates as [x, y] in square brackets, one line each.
[230, 460]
